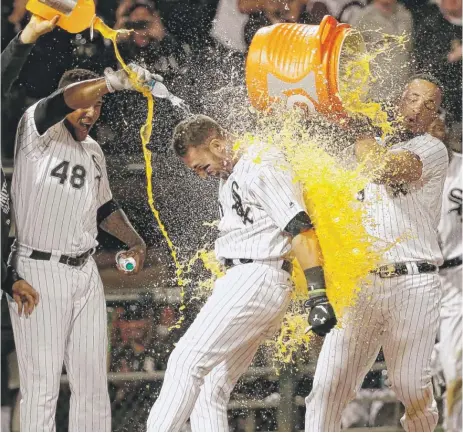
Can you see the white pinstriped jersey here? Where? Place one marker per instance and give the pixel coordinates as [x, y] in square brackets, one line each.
[450, 227]
[58, 185]
[410, 213]
[257, 202]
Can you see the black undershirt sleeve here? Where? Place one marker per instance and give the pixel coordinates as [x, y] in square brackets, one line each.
[300, 223]
[105, 210]
[50, 111]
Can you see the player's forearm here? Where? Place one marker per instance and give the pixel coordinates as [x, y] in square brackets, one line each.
[306, 249]
[85, 93]
[118, 225]
[387, 166]
[251, 6]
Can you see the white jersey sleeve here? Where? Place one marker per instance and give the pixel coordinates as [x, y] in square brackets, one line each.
[275, 190]
[432, 153]
[104, 191]
[28, 139]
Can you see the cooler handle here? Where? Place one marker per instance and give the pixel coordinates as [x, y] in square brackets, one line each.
[327, 24]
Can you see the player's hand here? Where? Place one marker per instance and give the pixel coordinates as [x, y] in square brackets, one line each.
[322, 318]
[119, 80]
[37, 27]
[138, 252]
[25, 297]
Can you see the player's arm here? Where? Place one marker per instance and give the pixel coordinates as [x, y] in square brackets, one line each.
[15, 54]
[113, 220]
[25, 296]
[58, 105]
[306, 248]
[275, 190]
[387, 166]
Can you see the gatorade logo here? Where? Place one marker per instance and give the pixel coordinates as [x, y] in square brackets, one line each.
[63, 6]
[306, 90]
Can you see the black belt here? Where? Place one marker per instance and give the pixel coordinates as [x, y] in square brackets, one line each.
[229, 263]
[66, 260]
[398, 269]
[451, 263]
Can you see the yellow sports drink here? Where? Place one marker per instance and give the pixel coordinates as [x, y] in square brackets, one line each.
[75, 15]
[302, 65]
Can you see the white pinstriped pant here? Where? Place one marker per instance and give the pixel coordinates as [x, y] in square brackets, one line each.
[69, 325]
[246, 306]
[450, 334]
[399, 314]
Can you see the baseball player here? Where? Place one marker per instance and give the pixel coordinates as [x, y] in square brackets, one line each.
[450, 333]
[13, 58]
[399, 309]
[262, 220]
[61, 194]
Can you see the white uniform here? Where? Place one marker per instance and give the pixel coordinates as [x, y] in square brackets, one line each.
[450, 233]
[399, 314]
[58, 185]
[247, 305]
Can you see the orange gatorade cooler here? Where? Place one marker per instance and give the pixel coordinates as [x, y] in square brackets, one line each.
[75, 15]
[301, 65]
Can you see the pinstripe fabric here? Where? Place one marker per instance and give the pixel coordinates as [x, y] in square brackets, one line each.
[58, 185]
[399, 314]
[450, 236]
[410, 212]
[68, 325]
[247, 304]
[265, 194]
[54, 214]
[451, 336]
[210, 411]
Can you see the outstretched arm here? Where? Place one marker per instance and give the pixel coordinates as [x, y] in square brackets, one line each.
[58, 105]
[15, 54]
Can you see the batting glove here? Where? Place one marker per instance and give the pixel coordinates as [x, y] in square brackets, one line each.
[119, 80]
[322, 318]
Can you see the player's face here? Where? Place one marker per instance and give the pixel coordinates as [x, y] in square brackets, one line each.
[206, 161]
[83, 119]
[419, 105]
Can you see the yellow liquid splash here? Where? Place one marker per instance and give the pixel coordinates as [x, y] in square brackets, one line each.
[145, 134]
[356, 77]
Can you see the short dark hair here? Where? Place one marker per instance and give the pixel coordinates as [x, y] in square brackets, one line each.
[76, 75]
[195, 131]
[426, 76]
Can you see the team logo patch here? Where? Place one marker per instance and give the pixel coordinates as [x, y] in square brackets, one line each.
[238, 206]
[455, 197]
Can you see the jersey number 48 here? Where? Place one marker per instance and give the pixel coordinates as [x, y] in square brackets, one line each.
[77, 178]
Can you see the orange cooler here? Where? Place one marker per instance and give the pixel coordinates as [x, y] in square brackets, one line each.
[301, 65]
[75, 15]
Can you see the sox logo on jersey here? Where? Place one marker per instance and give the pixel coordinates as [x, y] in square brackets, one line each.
[238, 206]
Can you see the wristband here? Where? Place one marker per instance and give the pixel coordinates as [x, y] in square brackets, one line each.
[315, 280]
[108, 85]
[316, 300]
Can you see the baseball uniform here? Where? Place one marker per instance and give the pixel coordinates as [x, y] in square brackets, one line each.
[450, 233]
[257, 201]
[58, 185]
[398, 312]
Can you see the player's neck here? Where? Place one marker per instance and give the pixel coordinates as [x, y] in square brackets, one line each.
[70, 128]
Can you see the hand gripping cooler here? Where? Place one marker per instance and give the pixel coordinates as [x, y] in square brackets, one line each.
[75, 15]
